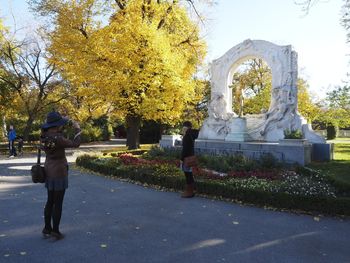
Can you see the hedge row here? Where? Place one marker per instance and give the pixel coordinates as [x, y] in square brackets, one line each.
[160, 176]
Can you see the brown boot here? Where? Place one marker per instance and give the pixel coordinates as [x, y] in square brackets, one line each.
[189, 192]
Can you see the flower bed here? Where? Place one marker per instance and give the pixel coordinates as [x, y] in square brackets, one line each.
[277, 187]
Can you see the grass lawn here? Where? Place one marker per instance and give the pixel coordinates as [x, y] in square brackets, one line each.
[338, 169]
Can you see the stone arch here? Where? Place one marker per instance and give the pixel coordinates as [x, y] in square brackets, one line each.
[281, 59]
[223, 124]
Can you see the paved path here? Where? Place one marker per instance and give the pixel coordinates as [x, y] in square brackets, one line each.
[107, 220]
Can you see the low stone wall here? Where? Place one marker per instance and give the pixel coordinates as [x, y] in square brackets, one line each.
[341, 133]
[169, 141]
[344, 133]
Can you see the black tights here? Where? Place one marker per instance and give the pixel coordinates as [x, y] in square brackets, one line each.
[189, 178]
[53, 209]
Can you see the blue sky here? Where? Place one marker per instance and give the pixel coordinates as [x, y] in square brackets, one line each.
[318, 37]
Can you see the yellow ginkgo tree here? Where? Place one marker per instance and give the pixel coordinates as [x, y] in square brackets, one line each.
[142, 60]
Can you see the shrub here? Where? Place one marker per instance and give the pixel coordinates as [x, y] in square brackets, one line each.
[268, 161]
[34, 136]
[91, 133]
[293, 134]
[104, 127]
[238, 162]
[157, 152]
[332, 132]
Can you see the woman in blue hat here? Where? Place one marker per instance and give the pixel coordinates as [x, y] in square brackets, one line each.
[56, 168]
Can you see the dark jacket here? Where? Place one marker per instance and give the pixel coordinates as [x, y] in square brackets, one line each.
[188, 143]
[54, 144]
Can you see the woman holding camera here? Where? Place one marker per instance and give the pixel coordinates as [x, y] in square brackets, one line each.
[54, 143]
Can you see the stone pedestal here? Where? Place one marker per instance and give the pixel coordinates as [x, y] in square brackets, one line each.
[237, 131]
[293, 142]
[300, 154]
[168, 141]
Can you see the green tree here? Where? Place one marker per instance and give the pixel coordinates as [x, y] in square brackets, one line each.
[28, 77]
[337, 111]
[254, 79]
[308, 109]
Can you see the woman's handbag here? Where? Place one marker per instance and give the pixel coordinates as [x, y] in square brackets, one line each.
[190, 161]
[38, 171]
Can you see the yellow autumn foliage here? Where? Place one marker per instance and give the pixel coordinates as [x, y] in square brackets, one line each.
[142, 62]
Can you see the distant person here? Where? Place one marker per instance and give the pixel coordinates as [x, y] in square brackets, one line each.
[11, 138]
[56, 168]
[189, 135]
[20, 145]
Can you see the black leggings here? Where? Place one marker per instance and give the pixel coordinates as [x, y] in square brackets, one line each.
[53, 209]
[189, 178]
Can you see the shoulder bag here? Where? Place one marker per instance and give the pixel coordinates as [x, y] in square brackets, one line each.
[38, 171]
[190, 161]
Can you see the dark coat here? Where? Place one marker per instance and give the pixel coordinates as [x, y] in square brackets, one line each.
[54, 144]
[188, 143]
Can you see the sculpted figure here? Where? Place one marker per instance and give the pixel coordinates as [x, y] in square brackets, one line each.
[284, 104]
[218, 107]
[239, 98]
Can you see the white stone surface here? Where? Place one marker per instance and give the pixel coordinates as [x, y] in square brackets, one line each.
[283, 111]
[169, 140]
[237, 130]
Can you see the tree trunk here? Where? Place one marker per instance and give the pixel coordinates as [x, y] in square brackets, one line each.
[133, 124]
[4, 127]
[28, 127]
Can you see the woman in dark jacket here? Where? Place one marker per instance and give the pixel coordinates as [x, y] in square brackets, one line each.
[56, 168]
[189, 135]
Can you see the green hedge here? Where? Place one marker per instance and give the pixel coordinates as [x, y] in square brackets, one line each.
[171, 177]
[332, 132]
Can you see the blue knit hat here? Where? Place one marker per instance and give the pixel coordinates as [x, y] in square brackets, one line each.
[54, 119]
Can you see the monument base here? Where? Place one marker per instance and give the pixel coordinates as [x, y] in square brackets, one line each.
[168, 141]
[237, 130]
[238, 137]
[299, 154]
